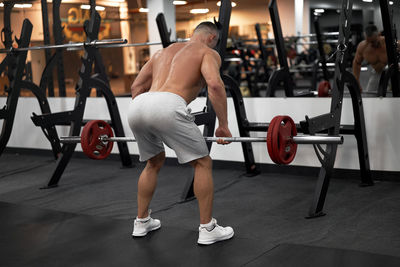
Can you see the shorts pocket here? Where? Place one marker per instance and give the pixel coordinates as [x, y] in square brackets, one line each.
[185, 113]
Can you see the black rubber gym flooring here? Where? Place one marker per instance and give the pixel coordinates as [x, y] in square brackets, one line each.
[87, 220]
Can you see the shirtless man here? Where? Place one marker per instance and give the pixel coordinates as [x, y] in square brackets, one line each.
[158, 114]
[372, 50]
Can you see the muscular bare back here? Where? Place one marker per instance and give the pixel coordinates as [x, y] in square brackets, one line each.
[178, 69]
[184, 68]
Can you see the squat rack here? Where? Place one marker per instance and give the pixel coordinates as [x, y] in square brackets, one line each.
[74, 118]
[14, 65]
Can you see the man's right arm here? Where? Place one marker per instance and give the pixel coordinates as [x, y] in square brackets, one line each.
[358, 59]
[216, 90]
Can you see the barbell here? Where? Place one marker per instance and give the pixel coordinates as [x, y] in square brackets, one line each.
[80, 45]
[105, 43]
[97, 139]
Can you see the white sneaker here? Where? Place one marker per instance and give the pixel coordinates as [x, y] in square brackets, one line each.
[215, 234]
[142, 226]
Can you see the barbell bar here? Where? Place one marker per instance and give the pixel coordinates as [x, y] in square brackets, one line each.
[295, 36]
[298, 139]
[80, 45]
[97, 139]
[133, 44]
[144, 44]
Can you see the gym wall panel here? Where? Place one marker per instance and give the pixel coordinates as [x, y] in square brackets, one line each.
[380, 116]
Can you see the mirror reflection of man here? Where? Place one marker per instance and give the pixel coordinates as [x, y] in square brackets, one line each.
[373, 51]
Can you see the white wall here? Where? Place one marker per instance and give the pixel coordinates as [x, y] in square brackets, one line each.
[382, 127]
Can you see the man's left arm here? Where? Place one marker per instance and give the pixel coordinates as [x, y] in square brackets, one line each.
[144, 79]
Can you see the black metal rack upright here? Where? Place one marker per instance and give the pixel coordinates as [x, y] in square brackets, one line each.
[208, 116]
[55, 60]
[392, 73]
[326, 123]
[74, 118]
[14, 65]
[165, 34]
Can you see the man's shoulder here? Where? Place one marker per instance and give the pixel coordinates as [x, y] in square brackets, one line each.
[382, 40]
[362, 45]
[212, 52]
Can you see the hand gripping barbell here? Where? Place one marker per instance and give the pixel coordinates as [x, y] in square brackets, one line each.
[97, 139]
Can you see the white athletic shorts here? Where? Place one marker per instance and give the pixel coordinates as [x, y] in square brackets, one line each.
[163, 117]
[373, 82]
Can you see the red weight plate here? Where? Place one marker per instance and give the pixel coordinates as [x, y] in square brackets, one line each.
[91, 145]
[276, 141]
[283, 147]
[270, 139]
[288, 148]
[323, 89]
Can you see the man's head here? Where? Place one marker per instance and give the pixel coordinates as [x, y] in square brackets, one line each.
[372, 35]
[208, 33]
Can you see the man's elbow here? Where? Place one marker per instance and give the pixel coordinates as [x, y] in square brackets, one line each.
[356, 66]
[215, 86]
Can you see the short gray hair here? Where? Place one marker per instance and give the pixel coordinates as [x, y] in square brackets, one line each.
[206, 25]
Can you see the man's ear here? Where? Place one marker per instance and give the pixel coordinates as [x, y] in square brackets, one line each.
[211, 38]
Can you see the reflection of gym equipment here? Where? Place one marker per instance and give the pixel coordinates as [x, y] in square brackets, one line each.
[325, 123]
[91, 60]
[281, 75]
[14, 65]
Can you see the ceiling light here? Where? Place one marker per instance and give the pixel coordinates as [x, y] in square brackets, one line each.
[368, 1]
[319, 10]
[143, 10]
[233, 4]
[98, 8]
[199, 10]
[179, 3]
[390, 2]
[1, 4]
[23, 5]
[113, 4]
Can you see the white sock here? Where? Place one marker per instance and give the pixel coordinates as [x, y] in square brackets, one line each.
[144, 219]
[209, 226]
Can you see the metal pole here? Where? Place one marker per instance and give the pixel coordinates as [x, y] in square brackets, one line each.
[143, 44]
[69, 45]
[299, 139]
